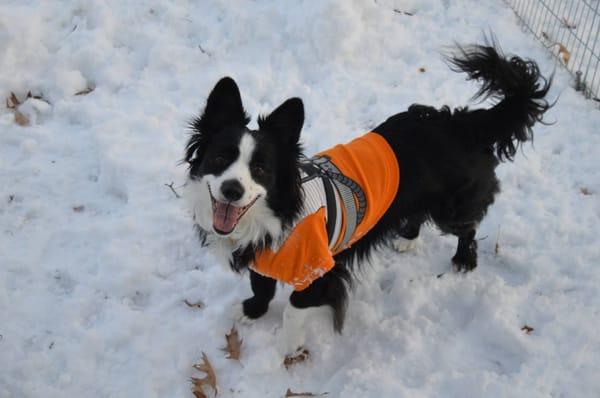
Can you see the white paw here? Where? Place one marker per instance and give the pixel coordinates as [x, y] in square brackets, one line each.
[244, 320]
[292, 335]
[236, 312]
[237, 315]
[402, 245]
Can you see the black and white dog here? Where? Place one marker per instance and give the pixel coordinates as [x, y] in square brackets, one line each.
[245, 186]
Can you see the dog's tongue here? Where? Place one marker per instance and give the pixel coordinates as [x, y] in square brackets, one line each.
[225, 217]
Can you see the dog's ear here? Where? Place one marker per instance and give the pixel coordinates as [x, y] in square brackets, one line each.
[223, 108]
[286, 121]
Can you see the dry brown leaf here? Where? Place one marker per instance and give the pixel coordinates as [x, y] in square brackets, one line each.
[78, 209]
[527, 329]
[198, 304]
[85, 91]
[289, 393]
[197, 388]
[562, 50]
[293, 359]
[12, 102]
[20, 118]
[564, 53]
[209, 380]
[585, 191]
[234, 344]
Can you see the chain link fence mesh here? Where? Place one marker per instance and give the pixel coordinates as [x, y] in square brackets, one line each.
[569, 29]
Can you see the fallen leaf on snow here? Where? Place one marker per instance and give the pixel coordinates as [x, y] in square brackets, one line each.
[234, 344]
[527, 329]
[562, 50]
[20, 118]
[12, 101]
[564, 53]
[209, 380]
[298, 357]
[198, 304]
[85, 91]
[289, 394]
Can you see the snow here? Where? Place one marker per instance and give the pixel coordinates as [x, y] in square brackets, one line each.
[91, 300]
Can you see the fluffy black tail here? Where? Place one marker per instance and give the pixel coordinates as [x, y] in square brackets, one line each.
[518, 87]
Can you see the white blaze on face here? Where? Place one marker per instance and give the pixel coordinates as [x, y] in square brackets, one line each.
[239, 170]
[255, 221]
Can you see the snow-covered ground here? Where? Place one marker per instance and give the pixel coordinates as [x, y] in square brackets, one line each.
[97, 254]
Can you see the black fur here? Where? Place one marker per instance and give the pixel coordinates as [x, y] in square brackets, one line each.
[446, 157]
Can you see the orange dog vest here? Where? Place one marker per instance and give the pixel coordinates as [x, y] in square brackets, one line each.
[347, 189]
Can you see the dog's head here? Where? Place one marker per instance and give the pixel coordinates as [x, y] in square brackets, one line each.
[244, 184]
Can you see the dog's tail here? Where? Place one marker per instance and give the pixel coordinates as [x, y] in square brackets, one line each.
[518, 87]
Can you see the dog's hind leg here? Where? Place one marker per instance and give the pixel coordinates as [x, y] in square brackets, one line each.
[465, 258]
[461, 214]
[264, 290]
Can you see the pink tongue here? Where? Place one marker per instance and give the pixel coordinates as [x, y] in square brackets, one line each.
[225, 217]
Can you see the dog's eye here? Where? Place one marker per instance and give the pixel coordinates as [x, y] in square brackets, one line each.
[258, 171]
[219, 161]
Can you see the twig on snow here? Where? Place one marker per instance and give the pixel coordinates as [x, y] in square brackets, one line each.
[497, 246]
[173, 189]
[397, 11]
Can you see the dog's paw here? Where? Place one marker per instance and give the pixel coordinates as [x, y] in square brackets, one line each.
[254, 308]
[464, 264]
[465, 259]
[237, 315]
[293, 332]
[402, 245]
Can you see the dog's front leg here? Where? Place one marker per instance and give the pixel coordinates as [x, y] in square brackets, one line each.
[292, 336]
[263, 289]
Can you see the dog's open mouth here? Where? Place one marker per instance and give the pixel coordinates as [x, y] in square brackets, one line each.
[225, 215]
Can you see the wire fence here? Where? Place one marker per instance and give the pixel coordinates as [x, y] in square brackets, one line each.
[569, 29]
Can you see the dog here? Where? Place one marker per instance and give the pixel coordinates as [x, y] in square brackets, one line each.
[256, 197]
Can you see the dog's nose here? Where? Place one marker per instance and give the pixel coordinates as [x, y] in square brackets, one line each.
[232, 190]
